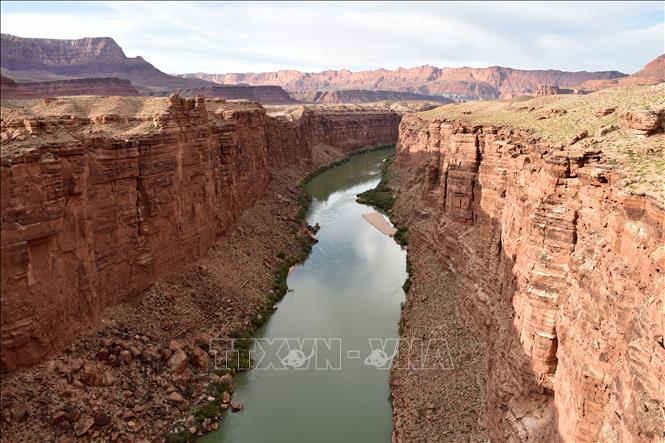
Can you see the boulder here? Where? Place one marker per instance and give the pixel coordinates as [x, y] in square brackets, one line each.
[83, 425]
[199, 358]
[642, 122]
[135, 351]
[582, 135]
[102, 419]
[178, 361]
[604, 130]
[58, 416]
[601, 112]
[20, 412]
[103, 354]
[166, 354]
[125, 356]
[175, 397]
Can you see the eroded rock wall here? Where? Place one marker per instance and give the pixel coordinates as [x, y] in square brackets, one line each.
[92, 215]
[80, 86]
[560, 272]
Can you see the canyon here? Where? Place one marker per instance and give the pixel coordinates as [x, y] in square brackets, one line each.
[117, 199]
[134, 229]
[117, 206]
[554, 258]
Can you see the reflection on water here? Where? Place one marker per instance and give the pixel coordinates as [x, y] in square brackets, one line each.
[358, 170]
[348, 289]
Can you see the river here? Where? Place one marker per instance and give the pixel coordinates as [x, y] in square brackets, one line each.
[347, 292]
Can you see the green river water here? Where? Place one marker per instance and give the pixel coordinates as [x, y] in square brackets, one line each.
[347, 292]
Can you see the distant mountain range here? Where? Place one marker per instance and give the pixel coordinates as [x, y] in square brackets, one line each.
[653, 73]
[47, 67]
[457, 83]
[40, 59]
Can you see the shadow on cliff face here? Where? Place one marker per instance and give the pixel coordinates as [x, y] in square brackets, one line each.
[519, 399]
[553, 259]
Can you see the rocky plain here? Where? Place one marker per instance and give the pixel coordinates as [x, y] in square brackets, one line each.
[138, 224]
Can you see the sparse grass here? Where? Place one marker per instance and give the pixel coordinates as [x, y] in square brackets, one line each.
[409, 272]
[401, 236]
[183, 436]
[629, 154]
[210, 411]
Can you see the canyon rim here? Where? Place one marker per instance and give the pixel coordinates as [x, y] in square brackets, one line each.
[452, 251]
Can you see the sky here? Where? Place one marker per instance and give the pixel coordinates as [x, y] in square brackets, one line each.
[220, 37]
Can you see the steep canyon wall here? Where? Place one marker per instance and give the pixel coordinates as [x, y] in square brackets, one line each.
[96, 208]
[559, 271]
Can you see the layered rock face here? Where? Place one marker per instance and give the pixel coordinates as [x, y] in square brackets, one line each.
[362, 96]
[552, 90]
[459, 83]
[271, 95]
[83, 86]
[40, 59]
[96, 208]
[559, 271]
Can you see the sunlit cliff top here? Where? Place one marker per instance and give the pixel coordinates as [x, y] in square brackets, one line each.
[560, 119]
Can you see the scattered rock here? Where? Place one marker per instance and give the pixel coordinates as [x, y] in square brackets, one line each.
[125, 356]
[604, 130]
[175, 397]
[83, 425]
[135, 351]
[235, 406]
[147, 357]
[20, 412]
[166, 354]
[227, 379]
[103, 354]
[200, 358]
[102, 419]
[582, 135]
[601, 112]
[178, 361]
[58, 416]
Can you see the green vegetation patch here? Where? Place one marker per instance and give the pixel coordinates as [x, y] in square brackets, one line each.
[382, 196]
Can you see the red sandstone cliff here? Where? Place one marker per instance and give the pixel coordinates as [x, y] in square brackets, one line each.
[269, 95]
[83, 86]
[559, 269]
[464, 83]
[103, 196]
[363, 96]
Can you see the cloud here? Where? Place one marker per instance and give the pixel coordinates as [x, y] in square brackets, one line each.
[246, 36]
